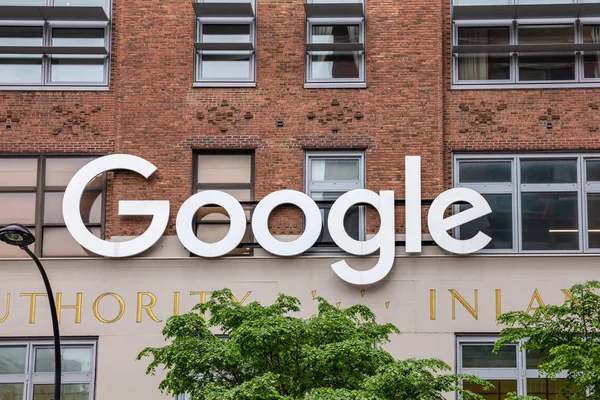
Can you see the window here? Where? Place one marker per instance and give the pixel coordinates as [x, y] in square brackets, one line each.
[31, 194]
[232, 173]
[335, 44]
[54, 44]
[27, 370]
[512, 369]
[225, 43]
[525, 43]
[540, 203]
[328, 176]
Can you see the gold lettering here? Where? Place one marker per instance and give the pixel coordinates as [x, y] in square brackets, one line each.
[147, 307]
[32, 304]
[176, 296]
[202, 298]
[76, 307]
[7, 308]
[432, 306]
[536, 297]
[568, 294]
[498, 303]
[474, 311]
[243, 300]
[97, 304]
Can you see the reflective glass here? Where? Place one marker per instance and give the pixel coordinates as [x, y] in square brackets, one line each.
[21, 2]
[11, 391]
[77, 69]
[80, 3]
[59, 171]
[484, 172]
[549, 221]
[546, 388]
[12, 359]
[21, 70]
[78, 37]
[17, 208]
[497, 225]
[74, 359]
[485, 35]
[335, 169]
[90, 207]
[555, 67]
[499, 390]
[591, 65]
[235, 33]
[480, 2]
[549, 171]
[212, 233]
[70, 391]
[532, 359]
[483, 66]
[593, 213]
[58, 242]
[335, 34]
[8, 251]
[546, 34]
[18, 172]
[225, 66]
[20, 35]
[481, 356]
[218, 213]
[351, 219]
[592, 169]
[330, 65]
[224, 168]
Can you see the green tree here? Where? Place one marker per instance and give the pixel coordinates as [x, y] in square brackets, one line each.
[567, 336]
[272, 355]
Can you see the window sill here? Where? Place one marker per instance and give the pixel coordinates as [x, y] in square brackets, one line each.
[335, 85]
[223, 84]
[575, 85]
[55, 88]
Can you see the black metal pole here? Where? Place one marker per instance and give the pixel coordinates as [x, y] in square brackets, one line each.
[57, 355]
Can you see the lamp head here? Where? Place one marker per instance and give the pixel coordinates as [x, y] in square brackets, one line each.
[16, 235]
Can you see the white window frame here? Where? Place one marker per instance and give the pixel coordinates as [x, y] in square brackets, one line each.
[361, 81]
[31, 378]
[310, 187]
[46, 83]
[582, 187]
[519, 374]
[199, 81]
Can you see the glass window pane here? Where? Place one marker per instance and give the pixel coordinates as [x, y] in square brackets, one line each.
[483, 35]
[74, 359]
[218, 213]
[80, 3]
[593, 213]
[555, 67]
[212, 233]
[8, 251]
[59, 171]
[21, 2]
[79, 37]
[497, 225]
[546, 34]
[18, 172]
[351, 219]
[592, 169]
[70, 391]
[477, 67]
[11, 391]
[532, 359]
[335, 169]
[591, 65]
[546, 388]
[77, 69]
[330, 65]
[237, 33]
[21, 70]
[20, 35]
[225, 66]
[549, 221]
[12, 359]
[18, 208]
[58, 242]
[481, 356]
[484, 172]
[225, 168]
[90, 207]
[499, 391]
[335, 34]
[549, 171]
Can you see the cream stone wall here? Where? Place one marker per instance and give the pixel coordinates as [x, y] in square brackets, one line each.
[418, 296]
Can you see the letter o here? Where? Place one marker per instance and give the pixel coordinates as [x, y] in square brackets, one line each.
[97, 306]
[185, 216]
[260, 223]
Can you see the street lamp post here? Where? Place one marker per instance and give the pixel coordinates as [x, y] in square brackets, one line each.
[18, 235]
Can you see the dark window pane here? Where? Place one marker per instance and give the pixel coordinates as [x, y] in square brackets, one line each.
[593, 213]
[334, 65]
[533, 358]
[78, 37]
[481, 356]
[549, 171]
[549, 221]
[546, 34]
[238, 33]
[483, 35]
[484, 172]
[11, 391]
[499, 390]
[351, 219]
[71, 391]
[592, 168]
[546, 388]
[226, 66]
[335, 34]
[20, 35]
[547, 68]
[497, 225]
[477, 67]
[591, 65]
